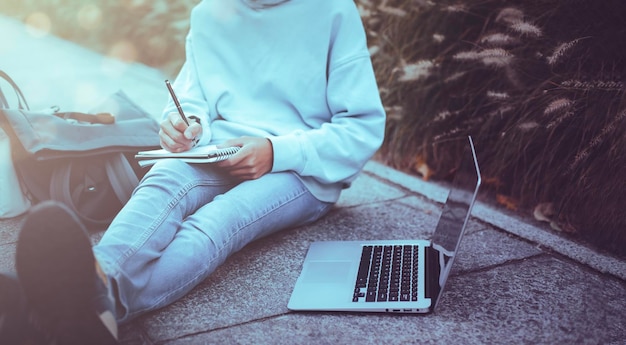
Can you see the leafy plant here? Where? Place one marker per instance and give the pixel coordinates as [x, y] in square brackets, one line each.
[539, 84]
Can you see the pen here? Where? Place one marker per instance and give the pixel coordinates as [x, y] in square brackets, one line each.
[180, 110]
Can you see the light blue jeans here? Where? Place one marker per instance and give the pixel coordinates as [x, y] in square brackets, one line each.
[184, 220]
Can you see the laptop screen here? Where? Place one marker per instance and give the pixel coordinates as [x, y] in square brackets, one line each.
[454, 217]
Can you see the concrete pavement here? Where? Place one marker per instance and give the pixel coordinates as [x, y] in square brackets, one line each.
[514, 281]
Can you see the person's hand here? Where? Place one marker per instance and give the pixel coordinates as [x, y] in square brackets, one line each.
[176, 136]
[253, 160]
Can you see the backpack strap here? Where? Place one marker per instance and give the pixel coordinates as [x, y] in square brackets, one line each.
[122, 177]
[62, 189]
[3, 100]
[21, 101]
[103, 118]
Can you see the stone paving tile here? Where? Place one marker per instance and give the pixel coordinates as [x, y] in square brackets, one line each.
[522, 226]
[366, 189]
[7, 257]
[542, 300]
[9, 229]
[8, 238]
[490, 247]
[430, 190]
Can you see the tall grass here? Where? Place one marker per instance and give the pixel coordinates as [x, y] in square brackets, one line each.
[539, 84]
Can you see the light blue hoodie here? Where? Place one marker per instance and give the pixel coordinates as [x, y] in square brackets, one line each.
[299, 74]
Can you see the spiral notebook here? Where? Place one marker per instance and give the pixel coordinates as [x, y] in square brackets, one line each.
[200, 154]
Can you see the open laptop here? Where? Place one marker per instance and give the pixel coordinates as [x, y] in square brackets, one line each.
[397, 276]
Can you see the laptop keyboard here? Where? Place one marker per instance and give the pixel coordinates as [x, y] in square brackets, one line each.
[387, 274]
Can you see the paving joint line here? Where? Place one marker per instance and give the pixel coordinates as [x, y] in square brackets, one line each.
[604, 263]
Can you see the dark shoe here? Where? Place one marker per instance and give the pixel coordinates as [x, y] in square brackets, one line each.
[16, 322]
[57, 269]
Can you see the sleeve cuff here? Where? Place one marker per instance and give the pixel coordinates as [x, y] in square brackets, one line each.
[287, 153]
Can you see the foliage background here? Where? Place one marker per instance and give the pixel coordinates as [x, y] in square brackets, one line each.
[147, 31]
[539, 84]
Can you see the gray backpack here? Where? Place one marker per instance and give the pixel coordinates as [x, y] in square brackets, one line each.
[85, 160]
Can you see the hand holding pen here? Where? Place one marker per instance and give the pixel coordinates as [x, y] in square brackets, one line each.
[177, 135]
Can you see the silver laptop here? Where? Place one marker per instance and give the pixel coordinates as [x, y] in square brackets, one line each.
[396, 276]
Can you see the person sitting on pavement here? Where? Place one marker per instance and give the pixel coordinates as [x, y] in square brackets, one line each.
[289, 82]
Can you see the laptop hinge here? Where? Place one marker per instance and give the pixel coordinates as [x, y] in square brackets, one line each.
[431, 275]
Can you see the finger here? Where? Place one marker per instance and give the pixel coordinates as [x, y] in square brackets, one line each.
[238, 159]
[245, 173]
[239, 163]
[165, 138]
[228, 164]
[237, 172]
[172, 148]
[193, 131]
[177, 122]
[240, 142]
[168, 130]
[168, 143]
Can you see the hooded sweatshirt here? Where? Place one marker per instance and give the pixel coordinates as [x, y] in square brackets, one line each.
[298, 73]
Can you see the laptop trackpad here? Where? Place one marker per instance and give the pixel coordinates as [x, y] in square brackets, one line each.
[327, 272]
